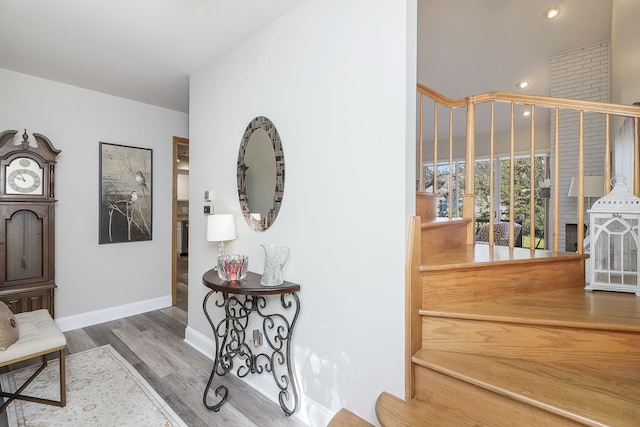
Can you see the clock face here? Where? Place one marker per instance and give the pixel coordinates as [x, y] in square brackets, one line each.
[23, 176]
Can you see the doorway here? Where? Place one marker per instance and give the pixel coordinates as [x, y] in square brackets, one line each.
[180, 224]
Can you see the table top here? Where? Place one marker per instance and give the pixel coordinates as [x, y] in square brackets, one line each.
[250, 285]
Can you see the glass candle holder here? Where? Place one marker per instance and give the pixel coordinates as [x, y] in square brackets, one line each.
[232, 267]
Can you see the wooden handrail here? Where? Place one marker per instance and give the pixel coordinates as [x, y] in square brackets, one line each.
[551, 102]
[557, 105]
[541, 101]
[424, 90]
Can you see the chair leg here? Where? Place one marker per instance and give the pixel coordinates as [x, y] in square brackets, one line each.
[63, 386]
[63, 378]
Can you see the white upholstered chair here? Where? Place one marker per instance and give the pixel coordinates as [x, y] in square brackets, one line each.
[38, 336]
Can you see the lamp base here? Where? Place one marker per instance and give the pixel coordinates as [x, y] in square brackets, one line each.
[220, 253]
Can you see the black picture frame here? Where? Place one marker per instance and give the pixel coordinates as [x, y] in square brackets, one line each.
[126, 178]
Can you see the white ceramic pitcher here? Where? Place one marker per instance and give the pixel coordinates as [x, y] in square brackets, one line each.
[274, 259]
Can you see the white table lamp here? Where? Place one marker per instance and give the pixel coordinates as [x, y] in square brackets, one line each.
[220, 228]
[593, 187]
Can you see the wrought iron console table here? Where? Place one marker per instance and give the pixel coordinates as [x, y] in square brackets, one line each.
[240, 299]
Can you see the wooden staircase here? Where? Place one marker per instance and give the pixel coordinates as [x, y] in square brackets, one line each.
[509, 337]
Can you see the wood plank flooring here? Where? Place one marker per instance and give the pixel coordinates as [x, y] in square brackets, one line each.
[182, 281]
[154, 344]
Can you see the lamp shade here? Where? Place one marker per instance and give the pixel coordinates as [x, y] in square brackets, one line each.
[593, 186]
[221, 227]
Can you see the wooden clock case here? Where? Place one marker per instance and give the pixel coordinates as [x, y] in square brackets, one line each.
[27, 227]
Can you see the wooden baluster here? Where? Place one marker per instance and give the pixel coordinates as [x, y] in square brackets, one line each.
[556, 184]
[469, 188]
[451, 162]
[636, 163]
[435, 148]
[581, 184]
[421, 147]
[607, 155]
[532, 179]
[512, 178]
[491, 176]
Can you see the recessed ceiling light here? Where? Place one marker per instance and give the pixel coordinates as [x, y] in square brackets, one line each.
[523, 84]
[526, 113]
[552, 12]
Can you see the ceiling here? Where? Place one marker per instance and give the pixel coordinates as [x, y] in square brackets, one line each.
[470, 47]
[143, 50]
[146, 50]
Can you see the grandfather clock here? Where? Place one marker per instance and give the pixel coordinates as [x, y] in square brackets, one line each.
[27, 225]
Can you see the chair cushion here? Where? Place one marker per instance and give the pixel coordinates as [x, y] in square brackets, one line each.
[8, 329]
[38, 334]
[483, 233]
[500, 233]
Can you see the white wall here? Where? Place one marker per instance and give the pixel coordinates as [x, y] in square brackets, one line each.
[90, 276]
[338, 81]
[625, 59]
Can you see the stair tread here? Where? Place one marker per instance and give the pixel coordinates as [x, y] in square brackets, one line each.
[587, 394]
[395, 412]
[570, 307]
[474, 256]
[346, 418]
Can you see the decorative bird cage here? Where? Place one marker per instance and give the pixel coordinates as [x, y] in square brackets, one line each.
[614, 222]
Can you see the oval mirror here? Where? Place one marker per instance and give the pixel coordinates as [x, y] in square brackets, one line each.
[260, 173]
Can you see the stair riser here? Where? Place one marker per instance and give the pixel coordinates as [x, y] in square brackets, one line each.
[478, 406]
[498, 280]
[532, 342]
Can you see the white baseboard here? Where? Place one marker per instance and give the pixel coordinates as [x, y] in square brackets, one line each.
[200, 342]
[311, 413]
[82, 320]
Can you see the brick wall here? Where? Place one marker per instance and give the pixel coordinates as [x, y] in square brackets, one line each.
[578, 74]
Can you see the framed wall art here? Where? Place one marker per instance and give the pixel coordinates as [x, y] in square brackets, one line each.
[125, 193]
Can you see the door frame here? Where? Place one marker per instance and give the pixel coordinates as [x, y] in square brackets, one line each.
[174, 219]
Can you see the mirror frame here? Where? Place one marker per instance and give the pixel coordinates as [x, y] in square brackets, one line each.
[267, 125]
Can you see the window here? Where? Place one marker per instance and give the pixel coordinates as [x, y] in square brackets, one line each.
[454, 196]
[449, 195]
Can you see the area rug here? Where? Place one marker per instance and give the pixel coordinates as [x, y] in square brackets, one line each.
[103, 389]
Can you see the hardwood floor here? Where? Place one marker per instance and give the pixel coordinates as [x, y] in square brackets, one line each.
[154, 344]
